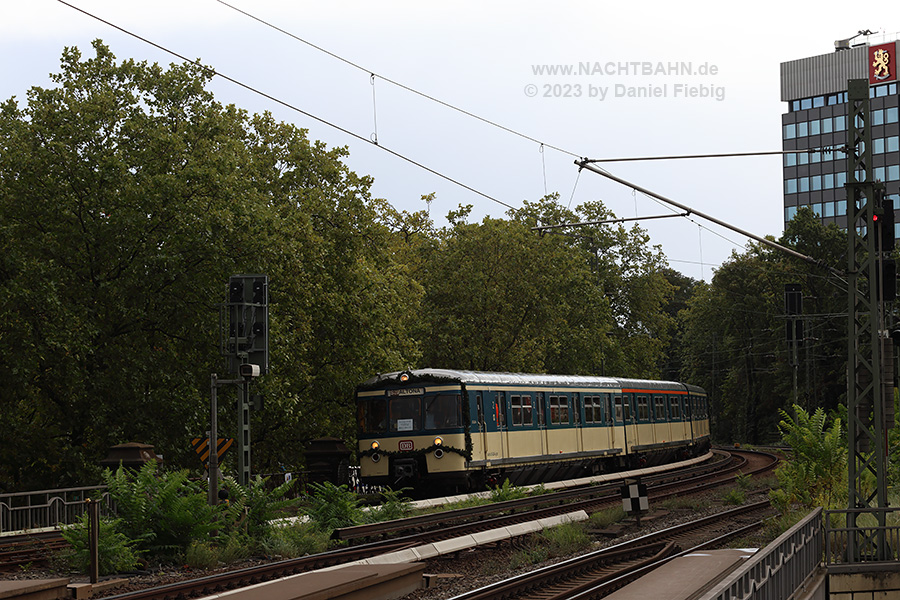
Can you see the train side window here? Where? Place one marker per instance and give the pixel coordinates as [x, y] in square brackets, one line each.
[626, 408]
[618, 402]
[521, 411]
[593, 411]
[480, 407]
[674, 409]
[643, 409]
[659, 408]
[559, 410]
[576, 409]
[542, 409]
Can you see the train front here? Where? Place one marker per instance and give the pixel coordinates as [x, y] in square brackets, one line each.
[413, 430]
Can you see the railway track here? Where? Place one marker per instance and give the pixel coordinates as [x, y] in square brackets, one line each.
[599, 573]
[19, 551]
[249, 576]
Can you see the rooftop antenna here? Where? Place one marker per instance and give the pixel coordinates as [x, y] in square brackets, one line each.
[845, 44]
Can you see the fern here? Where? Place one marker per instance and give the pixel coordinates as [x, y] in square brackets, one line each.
[162, 511]
[817, 472]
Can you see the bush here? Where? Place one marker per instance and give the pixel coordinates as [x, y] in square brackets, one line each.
[507, 492]
[163, 512]
[251, 509]
[393, 506]
[331, 507]
[816, 474]
[295, 540]
[116, 553]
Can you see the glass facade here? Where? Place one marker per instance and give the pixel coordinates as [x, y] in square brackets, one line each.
[814, 132]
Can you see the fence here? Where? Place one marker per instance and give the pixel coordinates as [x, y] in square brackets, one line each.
[28, 511]
[875, 539]
[780, 568]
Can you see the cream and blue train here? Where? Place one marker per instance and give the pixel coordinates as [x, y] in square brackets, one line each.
[462, 430]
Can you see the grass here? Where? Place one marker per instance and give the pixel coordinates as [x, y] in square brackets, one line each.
[561, 540]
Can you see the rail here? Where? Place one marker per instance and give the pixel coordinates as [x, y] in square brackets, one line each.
[873, 542]
[45, 509]
[780, 568]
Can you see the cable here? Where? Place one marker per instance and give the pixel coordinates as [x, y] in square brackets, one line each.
[285, 104]
[398, 84]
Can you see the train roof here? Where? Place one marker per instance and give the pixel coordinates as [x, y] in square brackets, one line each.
[496, 378]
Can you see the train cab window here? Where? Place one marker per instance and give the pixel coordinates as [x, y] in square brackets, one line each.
[371, 415]
[619, 413]
[521, 411]
[674, 409]
[643, 412]
[406, 413]
[659, 408]
[559, 410]
[442, 411]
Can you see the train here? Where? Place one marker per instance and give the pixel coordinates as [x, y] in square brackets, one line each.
[457, 430]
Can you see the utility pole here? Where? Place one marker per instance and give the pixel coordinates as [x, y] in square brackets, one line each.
[868, 342]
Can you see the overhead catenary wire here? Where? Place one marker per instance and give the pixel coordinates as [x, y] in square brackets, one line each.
[397, 83]
[289, 106]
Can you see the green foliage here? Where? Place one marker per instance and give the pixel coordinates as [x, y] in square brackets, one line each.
[296, 540]
[163, 512]
[734, 496]
[252, 509]
[505, 491]
[816, 472]
[393, 505]
[201, 555]
[128, 195]
[734, 342]
[744, 481]
[605, 518]
[116, 553]
[561, 540]
[331, 507]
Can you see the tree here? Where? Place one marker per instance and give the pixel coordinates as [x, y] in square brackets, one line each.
[734, 340]
[500, 297]
[128, 195]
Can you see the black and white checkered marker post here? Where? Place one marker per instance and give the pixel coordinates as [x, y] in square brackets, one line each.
[634, 498]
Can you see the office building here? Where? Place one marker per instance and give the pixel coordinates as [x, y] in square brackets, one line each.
[815, 125]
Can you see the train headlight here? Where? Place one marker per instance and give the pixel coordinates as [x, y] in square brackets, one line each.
[375, 445]
[375, 457]
[404, 377]
[439, 453]
[438, 441]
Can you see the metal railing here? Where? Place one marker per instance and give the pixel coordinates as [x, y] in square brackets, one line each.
[780, 568]
[30, 511]
[874, 539]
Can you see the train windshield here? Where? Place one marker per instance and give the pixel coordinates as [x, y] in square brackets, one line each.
[442, 411]
[371, 414]
[406, 413]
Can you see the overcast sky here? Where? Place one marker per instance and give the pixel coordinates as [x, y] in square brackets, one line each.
[711, 74]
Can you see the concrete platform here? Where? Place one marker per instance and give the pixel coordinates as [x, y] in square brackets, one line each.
[356, 582]
[34, 589]
[684, 578]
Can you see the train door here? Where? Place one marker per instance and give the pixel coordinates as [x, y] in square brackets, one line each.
[610, 420]
[479, 441]
[502, 428]
[577, 421]
[629, 420]
[542, 421]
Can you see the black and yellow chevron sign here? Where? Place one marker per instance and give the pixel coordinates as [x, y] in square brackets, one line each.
[201, 447]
